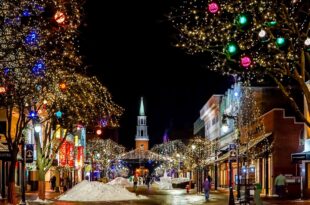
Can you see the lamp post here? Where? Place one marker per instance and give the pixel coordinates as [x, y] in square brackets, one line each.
[236, 148]
[231, 194]
[23, 184]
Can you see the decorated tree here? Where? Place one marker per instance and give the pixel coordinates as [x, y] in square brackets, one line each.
[103, 152]
[72, 100]
[197, 152]
[258, 40]
[174, 150]
[37, 38]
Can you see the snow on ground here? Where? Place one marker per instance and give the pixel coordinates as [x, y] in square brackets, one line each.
[120, 181]
[179, 180]
[39, 201]
[165, 183]
[97, 191]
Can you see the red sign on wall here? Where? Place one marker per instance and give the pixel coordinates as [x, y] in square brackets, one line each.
[80, 156]
[63, 154]
[70, 154]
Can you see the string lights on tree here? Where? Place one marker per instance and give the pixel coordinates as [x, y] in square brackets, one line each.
[258, 40]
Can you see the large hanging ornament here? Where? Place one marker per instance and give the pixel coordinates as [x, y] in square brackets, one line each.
[280, 42]
[59, 17]
[242, 20]
[245, 61]
[213, 7]
[232, 48]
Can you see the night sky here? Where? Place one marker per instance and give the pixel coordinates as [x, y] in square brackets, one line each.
[129, 46]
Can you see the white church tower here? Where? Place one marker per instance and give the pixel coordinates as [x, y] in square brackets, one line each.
[142, 138]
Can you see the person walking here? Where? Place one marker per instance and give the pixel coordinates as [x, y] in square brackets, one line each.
[148, 181]
[53, 182]
[135, 182]
[280, 183]
[207, 187]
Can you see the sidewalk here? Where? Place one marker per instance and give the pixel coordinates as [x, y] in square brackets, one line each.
[33, 195]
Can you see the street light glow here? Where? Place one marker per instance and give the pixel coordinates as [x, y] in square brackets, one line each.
[37, 128]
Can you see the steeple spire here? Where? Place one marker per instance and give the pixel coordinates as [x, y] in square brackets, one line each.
[142, 138]
[141, 111]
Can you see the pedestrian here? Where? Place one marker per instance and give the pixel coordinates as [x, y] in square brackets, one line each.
[53, 182]
[280, 183]
[210, 178]
[135, 182]
[206, 187]
[258, 190]
[148, 181]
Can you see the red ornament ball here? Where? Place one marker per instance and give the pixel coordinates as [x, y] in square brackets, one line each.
[59, 17]
[246, 61]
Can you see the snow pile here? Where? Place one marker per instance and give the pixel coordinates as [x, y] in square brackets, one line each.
[165, 183]
[179, 180]
[120, 181]
[37, 200]
[96, 191]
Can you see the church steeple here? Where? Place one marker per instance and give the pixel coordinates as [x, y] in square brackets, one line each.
[141, 111]
[142, 138]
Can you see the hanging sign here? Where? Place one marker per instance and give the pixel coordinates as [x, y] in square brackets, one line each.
[29, 153]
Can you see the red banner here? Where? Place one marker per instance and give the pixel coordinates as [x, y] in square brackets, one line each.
[63, 154]
[80, 156]
[70, 154]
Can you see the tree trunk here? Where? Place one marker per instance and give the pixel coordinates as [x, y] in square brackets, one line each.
[11, 189]
[41, 184]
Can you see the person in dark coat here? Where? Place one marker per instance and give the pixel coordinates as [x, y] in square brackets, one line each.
[207, 187]
[148, 181]
[53, 182]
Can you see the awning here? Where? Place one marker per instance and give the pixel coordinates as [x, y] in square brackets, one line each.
[254, 142]
[243, 149]
[296, 157]
[4, 152]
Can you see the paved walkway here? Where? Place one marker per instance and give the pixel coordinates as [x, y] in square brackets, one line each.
[162, 197]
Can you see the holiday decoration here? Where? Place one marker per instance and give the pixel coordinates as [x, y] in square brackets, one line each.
[62, 86]
[36, 55]
[232, 48]
[272, 31]
[58, 114]
[98, 131]
[32, 38]
[59, 17]
[280, 41]
[245, 61]
[213, 7]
